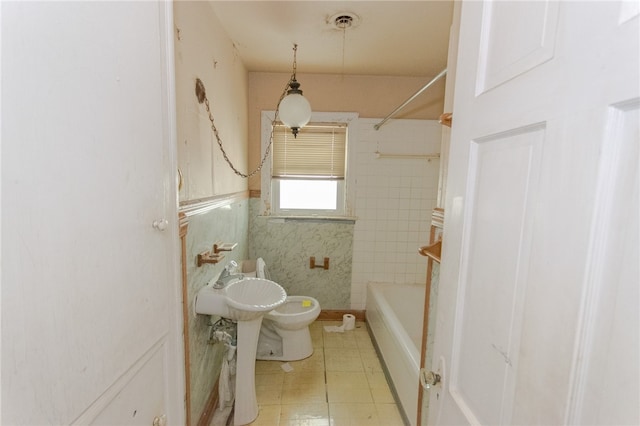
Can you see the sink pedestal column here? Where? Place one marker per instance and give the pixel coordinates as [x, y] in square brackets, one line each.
[246, 404]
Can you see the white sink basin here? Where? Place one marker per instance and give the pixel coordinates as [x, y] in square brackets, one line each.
[252, 297]
[240, 300]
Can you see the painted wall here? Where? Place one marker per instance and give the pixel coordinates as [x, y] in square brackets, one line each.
[203, 50]
[369, 96]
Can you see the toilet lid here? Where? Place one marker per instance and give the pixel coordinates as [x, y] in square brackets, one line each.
[261, 269]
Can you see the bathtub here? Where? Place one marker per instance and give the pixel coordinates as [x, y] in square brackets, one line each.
[394, 315]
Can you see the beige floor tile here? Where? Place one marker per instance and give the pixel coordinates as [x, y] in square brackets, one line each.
[377, 379]
[380, 390]
[364, 343]
[340, 410]
[317, 324]
[345, 340]
[361, 328]
[353, 394]
[269, 395]
[313, 363]
[304, 411]
[389, 415]
[337, 378]
[298, 379]
[371, 363]
[340, 359]
[356, 422]
[348, 387]
[305, 394]
[268, 415]
[382, 395]
[305, 422]
[316, 328]
[317, 339]
[344, 364]
[317, 342]
[342, 351]
[270, 379]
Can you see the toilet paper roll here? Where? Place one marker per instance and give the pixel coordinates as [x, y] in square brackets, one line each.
[348, 322]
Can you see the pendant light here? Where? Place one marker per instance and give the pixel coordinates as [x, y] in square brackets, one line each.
[294, 110]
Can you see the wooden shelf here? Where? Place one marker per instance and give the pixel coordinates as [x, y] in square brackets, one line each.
[432, 251]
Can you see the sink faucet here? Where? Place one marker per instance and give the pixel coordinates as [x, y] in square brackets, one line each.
[226, 275]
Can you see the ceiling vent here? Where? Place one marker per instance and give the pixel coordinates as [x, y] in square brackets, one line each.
[344, 20]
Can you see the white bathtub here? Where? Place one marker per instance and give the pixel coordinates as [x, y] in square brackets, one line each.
[394, 316]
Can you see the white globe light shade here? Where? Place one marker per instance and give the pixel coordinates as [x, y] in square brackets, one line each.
[295, 111]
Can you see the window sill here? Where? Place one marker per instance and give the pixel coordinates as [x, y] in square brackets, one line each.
[316, 219]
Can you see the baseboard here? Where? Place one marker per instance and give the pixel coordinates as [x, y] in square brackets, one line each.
[210, 407]
[336, 315]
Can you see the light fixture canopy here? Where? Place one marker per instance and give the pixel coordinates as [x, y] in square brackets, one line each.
[294, 110]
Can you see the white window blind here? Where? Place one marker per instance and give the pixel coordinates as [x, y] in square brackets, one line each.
[319, 152]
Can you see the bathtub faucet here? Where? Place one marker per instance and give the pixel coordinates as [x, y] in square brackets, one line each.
[226, 275]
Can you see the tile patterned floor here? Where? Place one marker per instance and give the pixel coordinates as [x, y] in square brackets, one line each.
[342, 383]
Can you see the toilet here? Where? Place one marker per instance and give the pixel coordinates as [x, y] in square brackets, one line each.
[284, 334]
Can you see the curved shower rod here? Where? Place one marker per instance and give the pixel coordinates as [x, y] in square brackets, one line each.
[425, 87]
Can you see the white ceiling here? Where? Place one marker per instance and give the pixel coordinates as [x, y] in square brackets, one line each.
[392, 38]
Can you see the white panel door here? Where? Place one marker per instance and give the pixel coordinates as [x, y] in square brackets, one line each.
[537, 318]
[90, 288]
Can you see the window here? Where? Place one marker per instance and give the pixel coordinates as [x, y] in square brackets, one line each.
[307, 174]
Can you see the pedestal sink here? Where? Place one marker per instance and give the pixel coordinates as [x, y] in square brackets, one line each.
[245, 300]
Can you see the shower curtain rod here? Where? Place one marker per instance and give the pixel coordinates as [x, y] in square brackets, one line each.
[426, 86]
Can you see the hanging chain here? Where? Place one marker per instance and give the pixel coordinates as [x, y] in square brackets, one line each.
[202, 97]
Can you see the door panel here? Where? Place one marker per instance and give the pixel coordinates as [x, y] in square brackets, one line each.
[88, 285]
[534, 324]
[503, 178]
[508, 50]
[609, 352]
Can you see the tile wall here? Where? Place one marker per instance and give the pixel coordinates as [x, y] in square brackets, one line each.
[228, 224]
[394, 198]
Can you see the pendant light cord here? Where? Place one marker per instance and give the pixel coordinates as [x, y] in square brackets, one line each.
[202, 98]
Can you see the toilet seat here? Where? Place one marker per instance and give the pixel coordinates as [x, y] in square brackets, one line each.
[298, 309]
